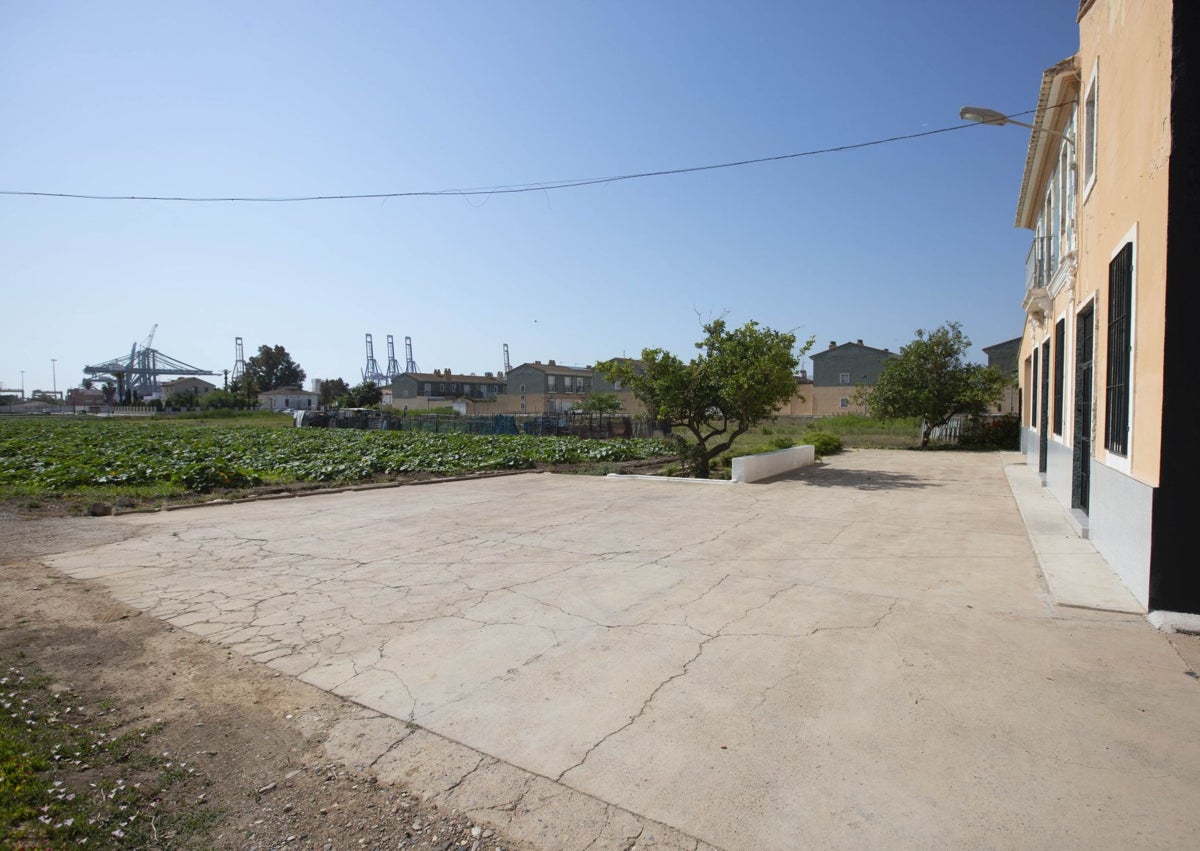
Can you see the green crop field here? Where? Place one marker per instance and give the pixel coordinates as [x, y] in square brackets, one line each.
[100, 458]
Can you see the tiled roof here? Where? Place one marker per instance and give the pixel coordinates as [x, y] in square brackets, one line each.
[556, 369]
[447, 376]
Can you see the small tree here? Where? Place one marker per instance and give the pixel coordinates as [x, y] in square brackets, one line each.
[365, 395]
[332, 389]
[739, 379]
[245, 390]
[931, 380]
[273, 368]
[600, 403]
[220, 400]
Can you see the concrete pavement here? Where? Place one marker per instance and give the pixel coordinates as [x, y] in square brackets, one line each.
[864, 654]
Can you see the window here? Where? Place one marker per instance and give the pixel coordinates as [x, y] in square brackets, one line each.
[1120, 326]
[843, 378]
[844, 402]
[1089, 133]
[550, 384]
[1060, 342]
[1033, 397]
[1066, 177]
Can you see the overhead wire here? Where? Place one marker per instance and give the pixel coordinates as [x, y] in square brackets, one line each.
[510, 189]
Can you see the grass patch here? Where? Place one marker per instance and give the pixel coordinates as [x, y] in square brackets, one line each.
[854, 430]
[72, 774]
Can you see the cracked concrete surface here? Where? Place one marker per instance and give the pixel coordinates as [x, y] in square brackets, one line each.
[862, 654]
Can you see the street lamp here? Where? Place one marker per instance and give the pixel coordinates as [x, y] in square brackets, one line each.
[54, 376]
[22, 385]
[983, 115]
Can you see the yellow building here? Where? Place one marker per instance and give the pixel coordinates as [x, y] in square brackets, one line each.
[1111, 192]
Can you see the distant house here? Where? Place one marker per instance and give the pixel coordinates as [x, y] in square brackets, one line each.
[839, 371]
[539, 387]
[189, 386]
[442, 384]
[288, 399]
[1003, 357]
[801, 403]
[82, 397]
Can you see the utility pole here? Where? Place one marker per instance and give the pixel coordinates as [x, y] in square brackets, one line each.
[22, 385]
[54, 375]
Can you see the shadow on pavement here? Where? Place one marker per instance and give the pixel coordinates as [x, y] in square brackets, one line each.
[868, 480]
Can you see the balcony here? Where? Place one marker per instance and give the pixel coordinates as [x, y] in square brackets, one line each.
[1041, 263]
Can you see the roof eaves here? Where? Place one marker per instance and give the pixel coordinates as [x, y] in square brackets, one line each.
[1038, 139]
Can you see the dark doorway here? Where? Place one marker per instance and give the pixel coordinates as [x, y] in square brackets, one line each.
[1044, 423]
[1081, 483]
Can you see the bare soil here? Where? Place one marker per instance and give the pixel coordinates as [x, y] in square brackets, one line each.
[249, 769]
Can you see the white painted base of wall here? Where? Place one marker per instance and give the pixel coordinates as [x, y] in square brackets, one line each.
[1175, 622]
[752, 468]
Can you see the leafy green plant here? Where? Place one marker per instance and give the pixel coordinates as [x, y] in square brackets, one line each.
[992, 433]
[823, 442]
[56, 457]
[212, 474]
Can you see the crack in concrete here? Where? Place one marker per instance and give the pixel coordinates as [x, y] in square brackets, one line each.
[482, 759]
[637, 715]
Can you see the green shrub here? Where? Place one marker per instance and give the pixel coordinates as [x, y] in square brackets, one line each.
[823, 442]
[991, 433]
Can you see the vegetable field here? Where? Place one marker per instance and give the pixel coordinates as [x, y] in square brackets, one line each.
[54, 457]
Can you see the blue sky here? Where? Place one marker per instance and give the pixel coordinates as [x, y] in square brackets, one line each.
[285, 99]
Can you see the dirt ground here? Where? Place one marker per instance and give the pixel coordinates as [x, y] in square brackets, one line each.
[251, 739]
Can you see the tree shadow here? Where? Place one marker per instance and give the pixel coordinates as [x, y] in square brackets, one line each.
[825, 476]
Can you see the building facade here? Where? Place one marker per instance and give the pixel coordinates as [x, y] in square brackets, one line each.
[288, 399]
[547, 387]
[442, 384]
[1004, 357]
[839, 371]
[1111, 193]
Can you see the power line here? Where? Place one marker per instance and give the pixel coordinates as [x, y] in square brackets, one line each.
[513, 189]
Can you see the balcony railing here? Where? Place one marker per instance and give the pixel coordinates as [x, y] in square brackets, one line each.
[1041, 262]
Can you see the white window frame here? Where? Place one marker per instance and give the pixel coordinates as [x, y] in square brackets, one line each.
[1091, 121]
[844, 402]
[843, 378]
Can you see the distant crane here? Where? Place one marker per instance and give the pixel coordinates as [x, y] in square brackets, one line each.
[410, 365]
[507, 365]
[137, 374]
[393, 367]
[371, 371]
[239, 360]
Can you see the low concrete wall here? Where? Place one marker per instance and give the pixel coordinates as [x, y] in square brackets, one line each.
[751, 468]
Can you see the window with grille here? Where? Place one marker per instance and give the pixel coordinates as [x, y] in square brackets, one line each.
[1060, 356]
[843, 378]
[1120, 327]
[1033, 392]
